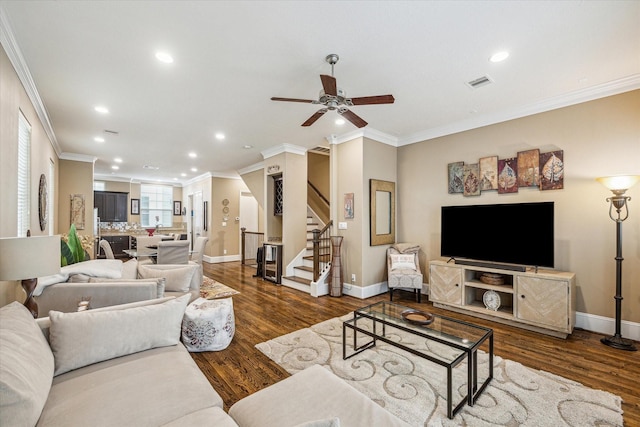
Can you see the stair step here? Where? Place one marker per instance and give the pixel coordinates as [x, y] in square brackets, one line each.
[298, 280]
[304, 268]
[323, 257]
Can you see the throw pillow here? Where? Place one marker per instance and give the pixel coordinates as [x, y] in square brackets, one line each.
[26, 367]
[178, 279]
[80, 339]
[130, 269]
[329, 422]
[402, 262]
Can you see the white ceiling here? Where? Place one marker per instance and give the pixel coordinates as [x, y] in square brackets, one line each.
[232, 56]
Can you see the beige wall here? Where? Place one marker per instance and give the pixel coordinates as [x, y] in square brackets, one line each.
[75, 178]
[225, 237]
[14, 99]
[599, 138]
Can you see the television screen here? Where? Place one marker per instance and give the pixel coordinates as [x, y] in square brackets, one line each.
[517, 233]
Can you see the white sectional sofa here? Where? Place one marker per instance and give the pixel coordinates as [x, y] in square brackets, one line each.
[125, 366]
[112, 282]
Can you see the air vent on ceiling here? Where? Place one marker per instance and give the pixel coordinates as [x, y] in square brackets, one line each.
[479, 82]
[320, 150]
[112, 132]
[152, 167]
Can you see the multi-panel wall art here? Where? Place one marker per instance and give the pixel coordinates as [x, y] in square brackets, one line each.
[528, 169]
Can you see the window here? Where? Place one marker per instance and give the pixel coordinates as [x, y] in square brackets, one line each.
[24, 175]
[51, 197]
[99, 186]
[156, 205]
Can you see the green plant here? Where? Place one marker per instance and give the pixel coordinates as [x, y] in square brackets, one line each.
[72, 251]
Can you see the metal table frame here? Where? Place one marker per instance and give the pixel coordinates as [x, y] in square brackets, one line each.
[470, 352]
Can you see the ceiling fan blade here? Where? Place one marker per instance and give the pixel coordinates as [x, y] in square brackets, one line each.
[352, 117]
[365, 100]
[306, 101]
[329, 85]
[311, 120]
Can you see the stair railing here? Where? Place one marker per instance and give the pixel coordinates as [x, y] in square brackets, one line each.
[250, 242]
[321, 249]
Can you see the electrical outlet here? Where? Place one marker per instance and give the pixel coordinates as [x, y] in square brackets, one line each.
[353, 277]
[224, 252]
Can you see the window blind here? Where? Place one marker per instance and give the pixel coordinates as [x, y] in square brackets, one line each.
[156, 205]
[24, 180]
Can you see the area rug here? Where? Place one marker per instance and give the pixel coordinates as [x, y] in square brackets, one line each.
[211, 289]
[414, 389]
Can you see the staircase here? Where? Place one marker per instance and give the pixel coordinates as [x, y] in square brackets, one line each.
[302, 277]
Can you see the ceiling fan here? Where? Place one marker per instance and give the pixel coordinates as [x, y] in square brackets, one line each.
[334, 98]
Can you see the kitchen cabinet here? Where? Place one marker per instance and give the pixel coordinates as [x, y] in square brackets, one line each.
[112, 206]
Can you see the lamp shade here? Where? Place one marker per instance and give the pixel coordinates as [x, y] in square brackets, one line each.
[29, 257]
[620, 182]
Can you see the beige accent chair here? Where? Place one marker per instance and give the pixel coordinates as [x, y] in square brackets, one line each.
[106, 247]
[173, 252]
[403, 269]
[198, 249]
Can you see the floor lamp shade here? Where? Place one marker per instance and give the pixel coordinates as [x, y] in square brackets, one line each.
[26, 259]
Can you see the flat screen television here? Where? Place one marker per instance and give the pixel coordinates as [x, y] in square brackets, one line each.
[516, 234]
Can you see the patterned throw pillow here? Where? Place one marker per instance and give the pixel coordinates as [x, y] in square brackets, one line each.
[403, 262]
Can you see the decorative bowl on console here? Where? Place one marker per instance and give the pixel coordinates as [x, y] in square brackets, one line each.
[150, 231]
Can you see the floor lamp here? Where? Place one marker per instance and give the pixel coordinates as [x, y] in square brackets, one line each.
[26, 259]
[619, 185]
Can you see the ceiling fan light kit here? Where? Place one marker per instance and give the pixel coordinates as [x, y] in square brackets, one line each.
[334, 98]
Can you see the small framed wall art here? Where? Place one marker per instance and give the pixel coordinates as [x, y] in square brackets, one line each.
[348, 206]
[177, 208]
[135, 206]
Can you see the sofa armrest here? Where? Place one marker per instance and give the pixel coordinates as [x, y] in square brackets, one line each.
[65, 296]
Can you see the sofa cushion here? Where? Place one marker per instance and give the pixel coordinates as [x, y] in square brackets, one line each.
[149, 388]
[26, 367]
[329, 422]
[214, 417]
[318, 394]
[178, 279]
[80, 339]
[130, 269]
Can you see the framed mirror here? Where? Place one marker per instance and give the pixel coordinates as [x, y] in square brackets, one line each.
[382, 212]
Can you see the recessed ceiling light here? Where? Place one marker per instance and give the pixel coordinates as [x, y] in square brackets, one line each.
[115, 167]
[248, 147]
[220, 135]
[499, 56]
[194, 169]
[183, 174]
[98, 139]
[193, 155]
[339, 121]
[175, 179]
[117, 160]
[164, 57]
[101, 109]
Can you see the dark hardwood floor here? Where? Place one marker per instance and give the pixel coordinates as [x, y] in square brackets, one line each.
[264, 311]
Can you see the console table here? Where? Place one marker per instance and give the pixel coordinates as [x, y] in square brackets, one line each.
[541, 301]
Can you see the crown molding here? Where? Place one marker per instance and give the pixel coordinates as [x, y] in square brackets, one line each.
[14, 53]
[78, 157]
[603, 90]
[283, 148]
[251, 168]
[198, 179]
[369, 133]
[100, 177]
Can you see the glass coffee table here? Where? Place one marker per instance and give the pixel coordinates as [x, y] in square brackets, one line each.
[462, 338]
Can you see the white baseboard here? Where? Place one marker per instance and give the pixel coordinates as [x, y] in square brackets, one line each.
[224, 258]
[607, 325]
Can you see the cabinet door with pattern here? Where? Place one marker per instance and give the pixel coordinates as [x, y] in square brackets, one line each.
[445, 284]
[543, 301]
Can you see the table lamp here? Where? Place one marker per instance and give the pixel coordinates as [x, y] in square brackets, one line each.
[618, 186]
[26, 259]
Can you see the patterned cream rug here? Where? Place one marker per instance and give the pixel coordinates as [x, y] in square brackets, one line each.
[212, 289]
[414, 389]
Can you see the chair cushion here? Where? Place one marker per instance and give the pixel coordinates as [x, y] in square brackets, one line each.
[80, 339]
[26, 367]
[403, 262]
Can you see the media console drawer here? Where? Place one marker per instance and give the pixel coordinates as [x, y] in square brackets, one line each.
[542, 301]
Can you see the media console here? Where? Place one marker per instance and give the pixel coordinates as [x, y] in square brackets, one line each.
[542, 301]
